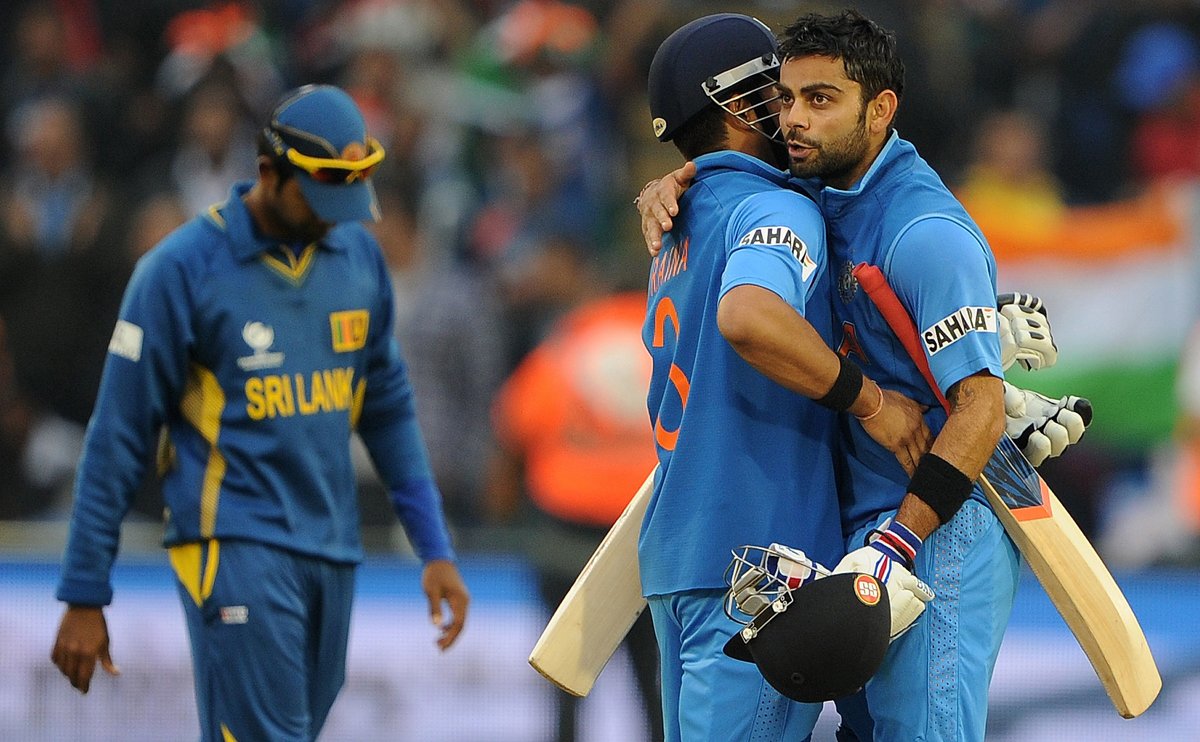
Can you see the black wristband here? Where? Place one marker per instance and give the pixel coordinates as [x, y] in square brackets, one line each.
[940, 485]
[845, 387]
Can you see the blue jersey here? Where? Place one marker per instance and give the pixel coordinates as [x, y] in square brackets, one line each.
[901, 218]
[257, 361]
[742, 459]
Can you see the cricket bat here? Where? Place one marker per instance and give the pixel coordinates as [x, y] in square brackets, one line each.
[1062, 559]
[598, 610]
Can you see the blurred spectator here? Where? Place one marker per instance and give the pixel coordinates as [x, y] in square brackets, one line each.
[1075, 44]
[575, 443]
[1158, 77]
[39, 67]
[449, 326]
[1009, 189]
[19, 496]
[538, 60]
[56, 204]
[154, 219]
[217, 147]
[222, 33]
[61, 266]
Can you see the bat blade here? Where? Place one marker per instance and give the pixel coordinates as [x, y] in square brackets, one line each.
[1060, 556]
[598, 610]
[1074, 578]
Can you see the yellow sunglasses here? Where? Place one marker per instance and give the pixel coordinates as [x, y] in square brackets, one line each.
[335, 170]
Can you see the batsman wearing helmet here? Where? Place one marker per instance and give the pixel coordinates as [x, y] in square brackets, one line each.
[258, 337]
[744, 387]
[840, 84]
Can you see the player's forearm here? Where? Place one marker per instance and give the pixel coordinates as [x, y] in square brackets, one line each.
[114, 458]
[402, 461]
[781, 344]
[975, 424]
[965, 443]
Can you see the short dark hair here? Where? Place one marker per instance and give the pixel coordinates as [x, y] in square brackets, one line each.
[867, 51]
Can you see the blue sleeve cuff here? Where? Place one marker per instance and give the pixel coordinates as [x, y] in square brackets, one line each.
[418, 505]
[84, 592]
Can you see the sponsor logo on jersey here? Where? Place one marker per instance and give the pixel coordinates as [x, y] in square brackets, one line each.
[782, 236]
[126, 341]
[949, 330]
[259, 337]
[287, 395]
[867, 589]
[847, 284]
[349, 329]
[234, 614]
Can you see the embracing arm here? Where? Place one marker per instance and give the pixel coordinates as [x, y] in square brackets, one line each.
[781, 345]
[659, 202]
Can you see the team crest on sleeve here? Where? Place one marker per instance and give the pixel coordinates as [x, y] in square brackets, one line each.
[126, 341]
[787, 238]
[952, 328]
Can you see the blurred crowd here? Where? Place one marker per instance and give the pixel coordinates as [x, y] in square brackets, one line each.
[517, 134]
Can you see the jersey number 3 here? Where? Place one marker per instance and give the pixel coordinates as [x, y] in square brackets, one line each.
[663, 311]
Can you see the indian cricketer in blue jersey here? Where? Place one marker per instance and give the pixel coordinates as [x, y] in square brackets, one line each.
[744, 389]
[258, 337]
[841, 82]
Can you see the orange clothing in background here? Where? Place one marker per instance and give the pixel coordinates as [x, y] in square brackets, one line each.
[575, 412]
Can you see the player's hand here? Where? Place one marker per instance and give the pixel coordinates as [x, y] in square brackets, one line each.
[900, 427]
[1042, 427]
[1025, 335]
[658, 203]
[82, 641]
[907, 595]
[442, 584]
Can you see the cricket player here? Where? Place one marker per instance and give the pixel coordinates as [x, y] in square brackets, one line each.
[744, 387]
[258, 337]
[840, 85]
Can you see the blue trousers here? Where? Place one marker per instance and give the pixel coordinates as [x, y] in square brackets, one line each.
[933, 684]
[708, 696]
[268, 630]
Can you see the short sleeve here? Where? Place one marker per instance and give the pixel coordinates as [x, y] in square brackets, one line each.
[946, 277]
[776, 240]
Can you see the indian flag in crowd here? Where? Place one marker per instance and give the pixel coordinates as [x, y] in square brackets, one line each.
[1120, 282]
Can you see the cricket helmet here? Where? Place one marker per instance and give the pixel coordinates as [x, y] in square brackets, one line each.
[714, 60]
[814, 637]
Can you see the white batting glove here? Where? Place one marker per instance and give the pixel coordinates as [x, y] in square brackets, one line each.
[1042, 427]
[885, 559]
[1025, 335]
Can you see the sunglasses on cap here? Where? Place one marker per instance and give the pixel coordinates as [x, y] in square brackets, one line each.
[331, 170]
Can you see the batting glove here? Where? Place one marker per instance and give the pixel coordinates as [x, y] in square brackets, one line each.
[889, 558]
[1025, 336]
[1042, 427]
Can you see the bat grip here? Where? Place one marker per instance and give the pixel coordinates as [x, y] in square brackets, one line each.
[872, 280]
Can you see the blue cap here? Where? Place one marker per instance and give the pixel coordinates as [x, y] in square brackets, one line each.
[697, 54]
[323, 121]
